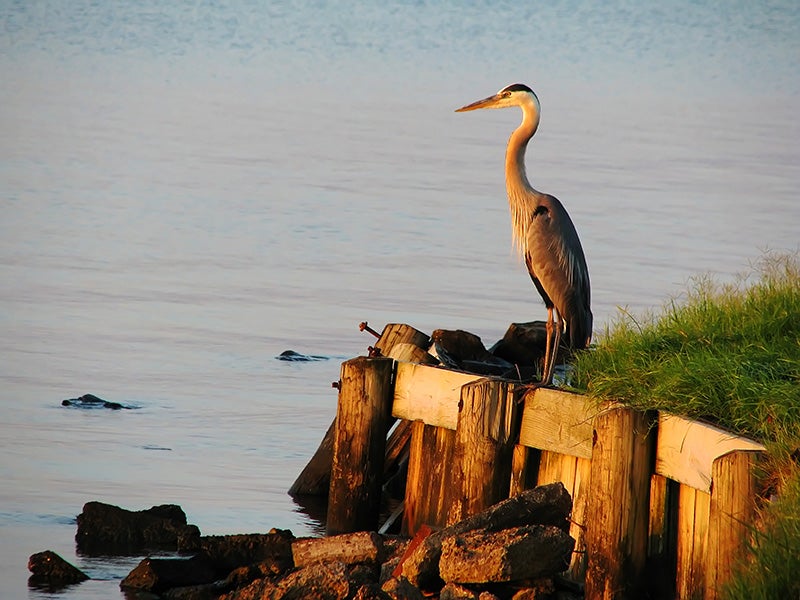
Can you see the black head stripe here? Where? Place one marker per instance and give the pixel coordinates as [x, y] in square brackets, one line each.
[517, 87]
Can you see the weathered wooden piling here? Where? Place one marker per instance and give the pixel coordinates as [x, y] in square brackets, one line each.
[365, 399]
[731, 516]
[661, 510]
[430, 457]
[483, 445]
[618, 503]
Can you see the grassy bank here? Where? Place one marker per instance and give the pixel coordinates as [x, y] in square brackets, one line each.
[729, 354]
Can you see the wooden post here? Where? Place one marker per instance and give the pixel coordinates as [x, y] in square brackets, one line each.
[399, 333]
[315, 478]
[365, 397]
[484, 441]
[662, 537]
[691, 544]
[428, 477]
[618, 503]
[731, 517]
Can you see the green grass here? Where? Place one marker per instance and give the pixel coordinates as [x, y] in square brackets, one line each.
[728, 354]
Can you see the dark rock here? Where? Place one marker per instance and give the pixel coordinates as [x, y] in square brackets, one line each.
[464, 351]
[524, 345]
[228, 552]
[271, 567]
[108, 529]
[314, 582]
[371, 591]
[544, 505]
[400, 588]
[208, 591]
[454, 591]
[160, 574]
[92, 401]
[49, 569]
[513, 554]
[292, 356]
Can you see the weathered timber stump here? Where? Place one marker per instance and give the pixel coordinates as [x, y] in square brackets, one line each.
[620, 477]
[364, 410]
[484, 443]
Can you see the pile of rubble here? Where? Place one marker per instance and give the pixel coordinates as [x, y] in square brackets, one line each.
[514, 549]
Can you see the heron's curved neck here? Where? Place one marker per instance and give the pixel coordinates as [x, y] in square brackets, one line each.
[516, 176]
[521, 195]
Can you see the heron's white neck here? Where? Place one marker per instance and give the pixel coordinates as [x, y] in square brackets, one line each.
[521, 194]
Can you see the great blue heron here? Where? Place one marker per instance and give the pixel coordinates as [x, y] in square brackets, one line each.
[544, 235]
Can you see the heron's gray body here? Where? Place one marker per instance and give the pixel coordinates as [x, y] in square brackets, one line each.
[544, 234]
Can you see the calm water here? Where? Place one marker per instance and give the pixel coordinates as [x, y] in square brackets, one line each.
[186, 191]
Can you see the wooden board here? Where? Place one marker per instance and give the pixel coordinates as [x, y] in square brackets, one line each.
[559, 422]
[574, 473]
[686, 449]
[428, 394]
[693, 509]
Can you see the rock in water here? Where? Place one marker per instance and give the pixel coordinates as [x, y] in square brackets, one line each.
[292, 356]
[108, 529]
[92, 401]
[159, 574]
[49, 569]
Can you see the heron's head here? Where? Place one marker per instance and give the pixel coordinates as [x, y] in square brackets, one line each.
[516, 94]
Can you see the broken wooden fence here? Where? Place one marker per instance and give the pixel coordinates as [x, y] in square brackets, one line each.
[661, 504]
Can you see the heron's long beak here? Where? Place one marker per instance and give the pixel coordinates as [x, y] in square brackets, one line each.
[485, 103]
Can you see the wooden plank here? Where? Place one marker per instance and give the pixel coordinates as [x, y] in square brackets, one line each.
[732, 516]
[524, 468]
[315, 478]
[428, 477]
[574, 473]
[618, 503]
[661, 536]
[691, 545]
[558, 421]
[428, 394]
[686, 449]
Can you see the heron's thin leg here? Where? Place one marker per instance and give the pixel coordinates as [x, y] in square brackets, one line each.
[550, 366]
[548, 349]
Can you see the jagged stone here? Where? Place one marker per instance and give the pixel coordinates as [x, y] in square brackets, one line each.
[454, 591]
[160, 574]
[546, 505]
[399, 588]
[108, 529]
[371, 591]
[541, 589]
[349, 548]
[508, 555]
[49, 569]
[228, 552]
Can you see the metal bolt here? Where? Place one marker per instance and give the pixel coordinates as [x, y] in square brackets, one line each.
[364, 327]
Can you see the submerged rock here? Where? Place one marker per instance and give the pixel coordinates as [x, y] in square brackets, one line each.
[92, 401]
[50, 570]
[292, 356]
